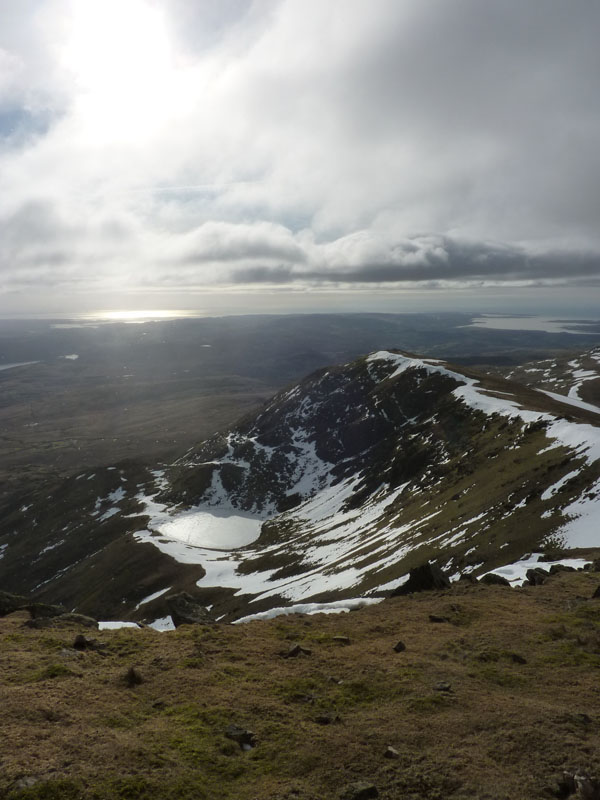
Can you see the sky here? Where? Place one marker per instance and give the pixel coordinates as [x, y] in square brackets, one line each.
[299, 154]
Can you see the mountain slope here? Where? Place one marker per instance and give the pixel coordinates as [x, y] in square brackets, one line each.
[334, 490]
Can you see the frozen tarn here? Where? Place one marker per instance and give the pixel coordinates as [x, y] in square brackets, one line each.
[151, 597]
[337, 607]
[208, 527]
[516, 573]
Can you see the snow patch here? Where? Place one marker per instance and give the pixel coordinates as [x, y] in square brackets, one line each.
[556, 487]
[151, 597]
[113, 625]
[162, 624]
[337, 607]
[516, 573]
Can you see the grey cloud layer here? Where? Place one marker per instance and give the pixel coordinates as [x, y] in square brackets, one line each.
[304, 141]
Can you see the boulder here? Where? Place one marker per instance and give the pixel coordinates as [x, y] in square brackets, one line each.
[187, 610]
[579, 784]
[345, 640]
[81, 642]
[297, 650]
[360, 790]
[555, 568]
[537, 576]
[399, 647]
[424, 578]
[245, 739]
[491, 579]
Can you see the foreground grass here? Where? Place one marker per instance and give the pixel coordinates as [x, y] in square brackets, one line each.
[522, 665]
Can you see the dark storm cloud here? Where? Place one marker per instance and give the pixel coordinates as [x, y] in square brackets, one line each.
[449, 261]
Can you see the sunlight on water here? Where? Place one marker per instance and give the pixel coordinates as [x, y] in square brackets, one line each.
[146, 315]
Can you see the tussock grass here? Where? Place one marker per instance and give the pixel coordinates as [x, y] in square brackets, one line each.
[504, 728]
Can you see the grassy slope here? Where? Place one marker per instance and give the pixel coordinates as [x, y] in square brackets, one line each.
[506, 730]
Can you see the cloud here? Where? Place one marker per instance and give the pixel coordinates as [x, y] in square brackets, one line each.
[298, 142]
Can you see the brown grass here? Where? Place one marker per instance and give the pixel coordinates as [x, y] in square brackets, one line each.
[505, 730]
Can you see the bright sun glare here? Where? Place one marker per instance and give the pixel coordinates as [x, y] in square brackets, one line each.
[121, 57]
[139, 315]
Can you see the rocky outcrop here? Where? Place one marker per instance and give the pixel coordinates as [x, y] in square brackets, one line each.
[424, 578]
[491, 579]
[9, 603]
[42, 615]
[187, 610]
[536, 576]
[68, 620]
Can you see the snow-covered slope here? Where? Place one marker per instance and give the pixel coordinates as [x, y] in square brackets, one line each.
[373, 458]
[341, 484]
[576, 377]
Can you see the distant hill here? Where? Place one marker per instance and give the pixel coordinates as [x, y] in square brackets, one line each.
[577, 376]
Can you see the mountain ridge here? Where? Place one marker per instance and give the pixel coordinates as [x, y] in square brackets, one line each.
[334, 489]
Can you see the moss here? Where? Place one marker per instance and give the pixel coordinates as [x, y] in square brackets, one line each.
[136, 787]
[427, 703]
[64, 789]
[356, 693]
[496, 674]
[119, 722]
[50, 643]
[192, 662]
[296, 689]
[52, 671]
